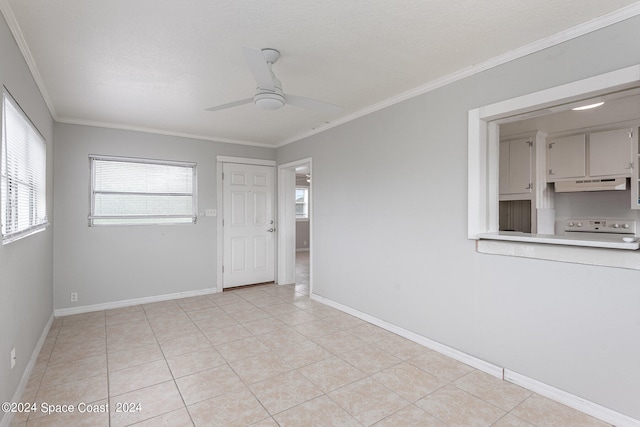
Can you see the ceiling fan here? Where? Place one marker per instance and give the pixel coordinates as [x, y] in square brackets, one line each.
[269, 94]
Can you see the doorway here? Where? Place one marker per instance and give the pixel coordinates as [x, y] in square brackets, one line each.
[295, 218]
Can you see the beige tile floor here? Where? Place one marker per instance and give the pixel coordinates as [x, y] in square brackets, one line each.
[263, 356]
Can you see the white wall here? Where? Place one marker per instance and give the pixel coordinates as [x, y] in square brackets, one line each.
[25, 265]
[393, 243]
[111, 264]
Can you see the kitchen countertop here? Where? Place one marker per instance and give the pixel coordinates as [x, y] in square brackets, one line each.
[554, 239]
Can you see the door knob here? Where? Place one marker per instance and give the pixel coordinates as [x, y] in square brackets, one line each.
[271, 230]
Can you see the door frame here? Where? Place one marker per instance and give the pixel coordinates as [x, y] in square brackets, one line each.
[286, 251]
[220, 210]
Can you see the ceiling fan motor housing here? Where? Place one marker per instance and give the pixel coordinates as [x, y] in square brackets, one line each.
[268, 99]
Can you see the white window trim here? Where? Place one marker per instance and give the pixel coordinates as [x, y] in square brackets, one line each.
[36, 228]
[91, 217]
[483, 158]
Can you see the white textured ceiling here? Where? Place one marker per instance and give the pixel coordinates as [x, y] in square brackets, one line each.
[157, 64]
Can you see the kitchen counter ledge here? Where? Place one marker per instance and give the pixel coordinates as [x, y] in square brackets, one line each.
[552, 239]
[560, 249]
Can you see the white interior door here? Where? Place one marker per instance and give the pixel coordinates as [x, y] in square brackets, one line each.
[248, 224]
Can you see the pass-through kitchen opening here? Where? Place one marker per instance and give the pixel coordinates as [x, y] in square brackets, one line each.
[572, 172]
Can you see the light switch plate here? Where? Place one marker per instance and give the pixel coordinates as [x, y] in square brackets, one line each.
[210, 212]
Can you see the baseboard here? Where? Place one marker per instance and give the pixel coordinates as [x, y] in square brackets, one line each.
[590, 408]
[597, 411]
[17, 396]
[479, 364]
[129, 302]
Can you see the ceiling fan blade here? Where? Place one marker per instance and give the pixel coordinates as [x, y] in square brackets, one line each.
[313, 104]
[259, 67]
[230, 105]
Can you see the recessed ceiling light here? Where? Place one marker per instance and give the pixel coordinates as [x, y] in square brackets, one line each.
[588, 107]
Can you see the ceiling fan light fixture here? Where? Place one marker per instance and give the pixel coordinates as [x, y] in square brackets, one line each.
[269, 101]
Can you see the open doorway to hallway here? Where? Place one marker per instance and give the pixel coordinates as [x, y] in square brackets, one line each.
[303, 226]
[295, 218]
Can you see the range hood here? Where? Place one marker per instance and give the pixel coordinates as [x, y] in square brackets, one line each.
[591, 185]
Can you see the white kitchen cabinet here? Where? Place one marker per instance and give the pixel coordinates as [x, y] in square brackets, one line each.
[610, 153]
[515, 167]
[566, 158]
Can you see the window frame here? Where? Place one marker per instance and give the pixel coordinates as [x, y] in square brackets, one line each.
[35, 147]
[305, 203]
[138, 220]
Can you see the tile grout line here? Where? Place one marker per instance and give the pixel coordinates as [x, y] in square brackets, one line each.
[106, 349]
[175, 383]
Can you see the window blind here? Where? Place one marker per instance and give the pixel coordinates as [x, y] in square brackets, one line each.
[138, 191]
[23, 174]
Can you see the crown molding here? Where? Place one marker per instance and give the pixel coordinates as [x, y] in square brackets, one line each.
[121, 126]
[12, 22]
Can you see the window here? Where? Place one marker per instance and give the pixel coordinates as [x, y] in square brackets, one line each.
[302, 203]
[127, 191]
[23, 174]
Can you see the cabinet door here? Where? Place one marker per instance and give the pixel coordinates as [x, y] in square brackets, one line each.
[610, 153]
[566, 158]
[519, 166]
[515, 167]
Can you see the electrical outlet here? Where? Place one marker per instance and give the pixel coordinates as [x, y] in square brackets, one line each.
[13, 357]
[74, 296]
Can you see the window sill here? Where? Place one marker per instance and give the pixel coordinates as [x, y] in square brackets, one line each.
[549, 248]
[20, 236]
[302, 219]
